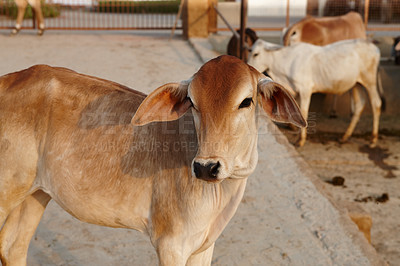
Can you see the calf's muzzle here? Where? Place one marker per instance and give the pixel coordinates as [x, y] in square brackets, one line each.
[208, 171]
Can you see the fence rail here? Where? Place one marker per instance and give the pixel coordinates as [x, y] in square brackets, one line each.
[267, 15]
[97, 15]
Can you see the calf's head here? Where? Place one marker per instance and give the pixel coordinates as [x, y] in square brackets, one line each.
[260, 56]
[224, 96]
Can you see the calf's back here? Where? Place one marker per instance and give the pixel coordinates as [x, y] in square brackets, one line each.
[79, 145]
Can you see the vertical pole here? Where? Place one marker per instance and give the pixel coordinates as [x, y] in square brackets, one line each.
[243, 22]
[33, 18]
[212, 16]
[366, 11]
[287, 13]
[177, 18]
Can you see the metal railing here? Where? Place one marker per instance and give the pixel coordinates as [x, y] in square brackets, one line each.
[97, 15]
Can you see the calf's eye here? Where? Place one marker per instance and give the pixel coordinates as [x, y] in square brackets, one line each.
[246, 103]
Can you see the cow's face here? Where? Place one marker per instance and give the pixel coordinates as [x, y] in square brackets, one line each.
[223, 96]
[294, 37]
[260, 53]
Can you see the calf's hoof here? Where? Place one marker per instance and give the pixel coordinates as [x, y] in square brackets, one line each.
[14, 31]
[374, 140]
[343, 140]
[40, 32]
[372, 144]
[300, 143]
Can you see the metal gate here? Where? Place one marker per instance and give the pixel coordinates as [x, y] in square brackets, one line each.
[97, 14]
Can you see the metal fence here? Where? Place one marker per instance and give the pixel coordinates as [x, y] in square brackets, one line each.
[274, 15]
[97, 14]
[267, 15]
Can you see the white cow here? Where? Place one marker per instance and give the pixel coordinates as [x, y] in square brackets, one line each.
[326, 30]
[173, 164]
[336, 68]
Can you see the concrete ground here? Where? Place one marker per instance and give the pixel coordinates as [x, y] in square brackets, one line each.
[285, 217]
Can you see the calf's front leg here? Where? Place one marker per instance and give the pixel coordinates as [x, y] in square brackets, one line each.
[19, 228]
[174, 252]
[376, 104]
[21, 4]
[305, 98]
[359, 103]
[170, 253]
[202, 258]
[39, 17]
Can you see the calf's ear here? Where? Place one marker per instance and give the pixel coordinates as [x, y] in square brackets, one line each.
[168, 102]
[279, 104]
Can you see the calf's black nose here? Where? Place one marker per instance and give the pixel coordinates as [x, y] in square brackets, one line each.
[207, 171]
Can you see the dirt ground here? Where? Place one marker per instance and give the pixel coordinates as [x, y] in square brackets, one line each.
[371, 175]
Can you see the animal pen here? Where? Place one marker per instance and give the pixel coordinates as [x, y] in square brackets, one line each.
[262, 15]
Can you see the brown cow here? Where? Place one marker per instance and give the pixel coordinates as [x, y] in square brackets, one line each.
[173, 164]
[326, 30]
[36, 6]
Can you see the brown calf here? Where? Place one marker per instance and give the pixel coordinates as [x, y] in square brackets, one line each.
[173, 164]
[326, 30]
